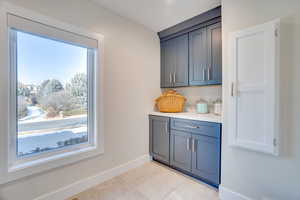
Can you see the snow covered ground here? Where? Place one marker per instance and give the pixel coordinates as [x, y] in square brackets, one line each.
[36, 133]
[34, 112]
[27, 144]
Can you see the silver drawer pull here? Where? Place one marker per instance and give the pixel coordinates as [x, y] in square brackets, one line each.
[193, 145]
[192, 127]
[167, 129]
[174, 77]
[188, 144]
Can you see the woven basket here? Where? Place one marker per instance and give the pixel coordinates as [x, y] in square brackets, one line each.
[171, 102]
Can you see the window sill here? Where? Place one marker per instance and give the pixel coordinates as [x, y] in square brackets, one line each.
[28, 168]
[46, 160]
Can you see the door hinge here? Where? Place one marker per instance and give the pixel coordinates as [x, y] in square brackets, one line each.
[276, 32]
[274, 142]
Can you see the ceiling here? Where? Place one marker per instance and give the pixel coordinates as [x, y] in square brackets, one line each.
[158, 14]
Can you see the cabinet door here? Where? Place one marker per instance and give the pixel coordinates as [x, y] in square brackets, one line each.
[214, 47]
[197, 57]
[159, 138]
[181, 67]
[168, 61]
[206, 158]
[180, 154]
[253, 104]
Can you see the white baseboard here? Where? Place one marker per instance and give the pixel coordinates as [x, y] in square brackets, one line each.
[227, 194]
[89, 182]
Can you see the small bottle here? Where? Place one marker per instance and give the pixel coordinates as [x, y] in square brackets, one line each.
[218, 107]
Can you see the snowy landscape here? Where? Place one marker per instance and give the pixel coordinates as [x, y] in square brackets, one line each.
[51, 94]
[52, 115]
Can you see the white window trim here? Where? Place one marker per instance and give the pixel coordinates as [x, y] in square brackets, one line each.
[66, 156]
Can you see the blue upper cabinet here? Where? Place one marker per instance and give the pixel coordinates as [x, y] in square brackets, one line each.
[191, 52]
[214, 55]
[174, 62]
[198, 58]
[167, 62]
[205, 55]
[181, 74]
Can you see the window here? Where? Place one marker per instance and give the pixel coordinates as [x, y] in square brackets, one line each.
[54, 96]
[51, 83]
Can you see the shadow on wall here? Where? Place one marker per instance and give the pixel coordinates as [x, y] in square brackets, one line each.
[289, 68]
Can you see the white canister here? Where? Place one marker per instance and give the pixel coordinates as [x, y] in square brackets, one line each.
[218, 107]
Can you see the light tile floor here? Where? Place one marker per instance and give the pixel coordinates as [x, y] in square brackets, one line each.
[151, 181]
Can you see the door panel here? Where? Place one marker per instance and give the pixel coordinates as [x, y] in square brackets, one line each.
[180, 155]
[197, 57]
[253, 105]
[168, 59]
[159, 138]
[181, 74]
[206, 158]
[214, 65]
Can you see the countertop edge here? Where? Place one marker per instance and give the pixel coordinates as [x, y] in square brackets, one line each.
[191, 116]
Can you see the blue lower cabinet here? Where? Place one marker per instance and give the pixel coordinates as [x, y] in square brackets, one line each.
[192, 147]
[159, 138]
[180, 152]
[206, 158]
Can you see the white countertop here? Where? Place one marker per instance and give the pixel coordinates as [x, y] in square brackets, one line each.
[192, 116]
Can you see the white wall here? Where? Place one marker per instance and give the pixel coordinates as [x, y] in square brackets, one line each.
[132, 69]
[256, 175]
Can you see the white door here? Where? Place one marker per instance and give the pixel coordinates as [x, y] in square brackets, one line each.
[253, 100]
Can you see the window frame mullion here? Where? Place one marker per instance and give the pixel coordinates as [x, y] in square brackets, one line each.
[13, 104]
[91, 91]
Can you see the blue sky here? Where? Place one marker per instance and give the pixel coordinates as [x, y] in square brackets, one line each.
[41, 59]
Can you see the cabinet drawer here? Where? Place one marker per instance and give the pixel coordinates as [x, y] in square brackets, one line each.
[197, 127]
